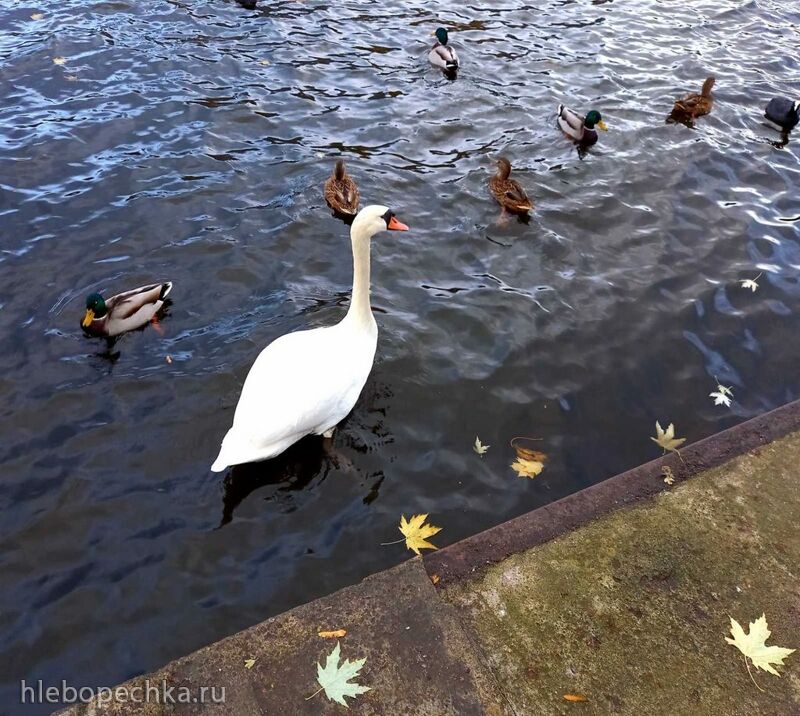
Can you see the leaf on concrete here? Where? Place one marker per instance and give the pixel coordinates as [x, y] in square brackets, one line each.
[575, 698]
[417, 532]
[335, 679]
[335, 634]
[666, 438]
[249, 663]
[669, 476]
[753, 646]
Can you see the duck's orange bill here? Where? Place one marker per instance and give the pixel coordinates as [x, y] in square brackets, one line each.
[88, 318]
[395, 225]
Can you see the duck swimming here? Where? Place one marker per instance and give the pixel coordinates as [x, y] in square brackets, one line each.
[509, 194]
[124, 312]
[306, 382]
[783, 113]
[578, 128]
[694, 105]
[442, 55]
[341, 192]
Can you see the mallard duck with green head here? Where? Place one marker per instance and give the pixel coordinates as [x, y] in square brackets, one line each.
[124, 312]
[442, 54]
[579, 128]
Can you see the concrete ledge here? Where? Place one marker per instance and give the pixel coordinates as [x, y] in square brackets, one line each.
[462, 559]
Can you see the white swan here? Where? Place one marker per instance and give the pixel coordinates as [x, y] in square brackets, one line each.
[307, 382]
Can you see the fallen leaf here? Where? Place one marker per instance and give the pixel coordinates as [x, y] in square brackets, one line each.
[264, 62]
[336, 634]
[722, 396]
[334, 680]
[529, 463]
[249, 663]
[575, 698]
[435, 578]
[417, 533]
[479, 447]
[71, 78]
[753, 646]
[669, 476]
[37, 16]
[751, 283]
[59, 60]
[527, 468]
[666, 438]
[169, 359]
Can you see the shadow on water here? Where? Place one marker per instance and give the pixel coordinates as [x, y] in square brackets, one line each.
[304, 464]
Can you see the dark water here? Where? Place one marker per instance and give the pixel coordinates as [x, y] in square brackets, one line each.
[166, 148]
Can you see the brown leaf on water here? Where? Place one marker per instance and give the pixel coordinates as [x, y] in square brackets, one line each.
[575, 698]
[529, 462]
[336, 634]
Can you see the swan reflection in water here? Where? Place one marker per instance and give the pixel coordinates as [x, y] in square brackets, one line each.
[293, 475]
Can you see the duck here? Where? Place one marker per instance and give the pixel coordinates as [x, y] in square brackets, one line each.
[306, 382]
[341, 192]
[580, 129]
[125, 311]
[442, 55]
[693, 105]
[509, 194]
[783, 113]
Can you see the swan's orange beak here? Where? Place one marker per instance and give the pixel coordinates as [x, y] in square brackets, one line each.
[395, 225]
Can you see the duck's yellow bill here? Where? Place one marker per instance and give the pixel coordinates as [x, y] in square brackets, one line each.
[602, 125]
[88, 318]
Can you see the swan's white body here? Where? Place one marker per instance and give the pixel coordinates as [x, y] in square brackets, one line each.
[306, 382]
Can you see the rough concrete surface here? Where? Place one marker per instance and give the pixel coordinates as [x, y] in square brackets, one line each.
[418, 660]
[629, 610]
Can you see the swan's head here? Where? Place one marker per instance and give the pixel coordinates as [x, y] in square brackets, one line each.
[374, 218]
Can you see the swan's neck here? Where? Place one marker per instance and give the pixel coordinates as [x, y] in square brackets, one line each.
[360, 311]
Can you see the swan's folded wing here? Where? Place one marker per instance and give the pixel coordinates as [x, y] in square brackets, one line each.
[297, 384]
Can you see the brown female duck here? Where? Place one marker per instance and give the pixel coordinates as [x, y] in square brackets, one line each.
[693, 105]
[341, 192]
[509, 194]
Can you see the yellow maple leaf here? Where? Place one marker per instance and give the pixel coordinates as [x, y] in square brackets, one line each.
[666, 438]
[417, 532]
[249, 663]
[336, 634]
[753, 646]
[527, 468]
